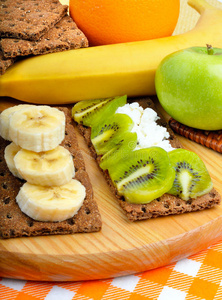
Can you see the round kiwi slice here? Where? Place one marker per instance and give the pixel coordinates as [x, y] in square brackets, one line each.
[126, 144]
[192, 178]
[105, 136]
[143, 175]
[90, 112]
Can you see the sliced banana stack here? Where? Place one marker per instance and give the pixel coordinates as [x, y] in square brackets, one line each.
[37, 128]
[51, 168]
[10, 151]
[51, 203]
[50, 193]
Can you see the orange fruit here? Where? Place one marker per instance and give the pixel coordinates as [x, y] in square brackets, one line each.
[119, 21]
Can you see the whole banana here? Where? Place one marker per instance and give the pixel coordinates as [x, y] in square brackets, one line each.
[105, 71]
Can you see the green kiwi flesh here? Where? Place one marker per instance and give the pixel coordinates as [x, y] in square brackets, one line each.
[90, 112]
[192, 178]
[126, 144]
[143, 175]
[105, 136]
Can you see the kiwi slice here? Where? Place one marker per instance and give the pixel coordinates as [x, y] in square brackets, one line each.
[90, 112]
[192, 178]
[105, 136]
[143, 175]
[126, 144]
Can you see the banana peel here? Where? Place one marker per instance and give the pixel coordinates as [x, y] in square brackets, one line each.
[105, 71]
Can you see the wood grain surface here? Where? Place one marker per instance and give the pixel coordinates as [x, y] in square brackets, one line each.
[121, 247]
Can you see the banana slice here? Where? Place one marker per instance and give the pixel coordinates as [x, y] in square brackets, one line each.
[5, 117]
[37, 128]
[10, 151]
[51, 203]
[51, 168]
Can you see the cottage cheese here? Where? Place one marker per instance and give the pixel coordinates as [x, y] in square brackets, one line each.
[149, 133]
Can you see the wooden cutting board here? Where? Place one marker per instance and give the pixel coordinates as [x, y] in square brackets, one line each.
[121, 247]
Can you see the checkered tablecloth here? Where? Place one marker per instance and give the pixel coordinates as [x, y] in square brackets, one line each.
[198, 277]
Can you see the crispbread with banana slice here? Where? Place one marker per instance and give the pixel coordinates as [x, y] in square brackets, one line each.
[14, 223]
[166, 204]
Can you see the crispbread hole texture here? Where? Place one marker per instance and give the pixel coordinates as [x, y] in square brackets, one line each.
[63, 36]
[29, 19]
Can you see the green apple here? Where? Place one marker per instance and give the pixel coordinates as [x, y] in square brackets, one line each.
[189, 87]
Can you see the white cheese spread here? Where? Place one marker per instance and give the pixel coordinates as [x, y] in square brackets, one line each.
[149, 133]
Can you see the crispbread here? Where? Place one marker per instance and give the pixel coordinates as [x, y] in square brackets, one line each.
[5, 63]
[166, 204]
[29, 19]
[208, 138]
[14, 223]
[63, 36]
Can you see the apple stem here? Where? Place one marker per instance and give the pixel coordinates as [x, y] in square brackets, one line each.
[210, 50]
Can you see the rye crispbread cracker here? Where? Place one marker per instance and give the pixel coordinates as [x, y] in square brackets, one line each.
[5, 63]
[14, 223]
[209, 138]
[65, 35]
[29, 19]
[166, 204]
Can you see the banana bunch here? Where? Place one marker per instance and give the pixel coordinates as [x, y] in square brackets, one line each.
[35, 155]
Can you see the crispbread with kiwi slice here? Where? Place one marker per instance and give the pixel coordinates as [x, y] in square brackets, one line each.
[14, 223]
[164, 205]
[29, 19]
[65, 35]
